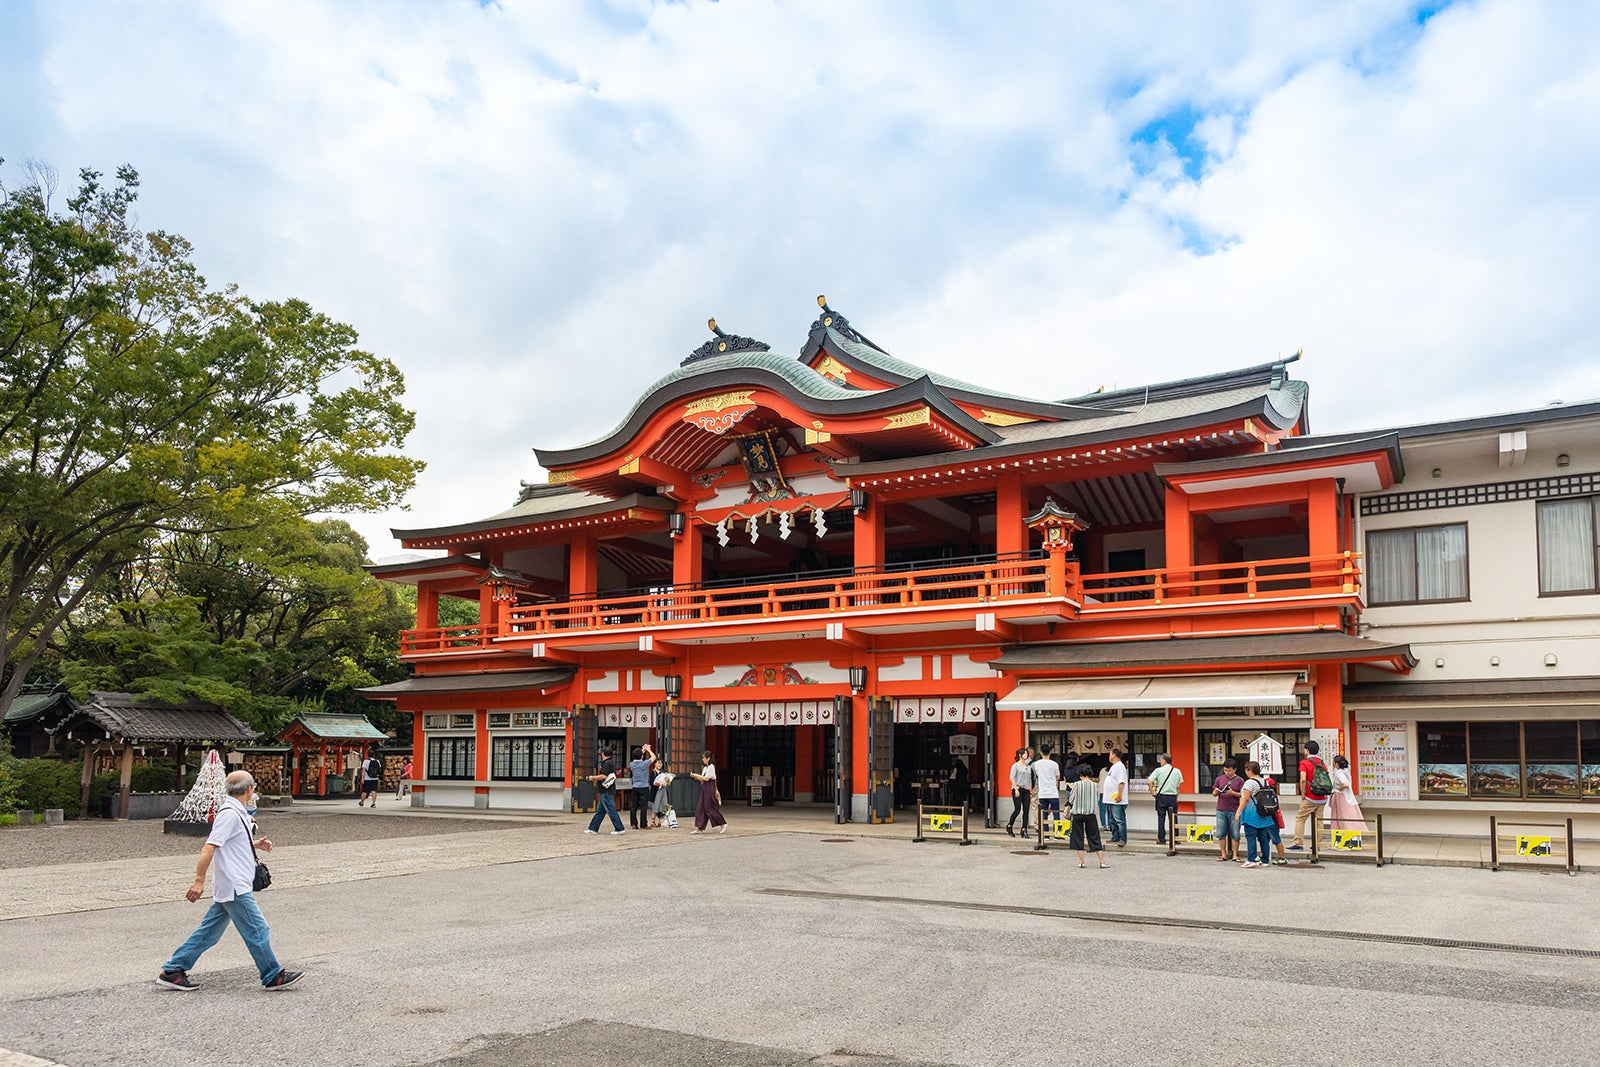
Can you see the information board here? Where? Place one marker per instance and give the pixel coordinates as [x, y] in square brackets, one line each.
[1382, 762]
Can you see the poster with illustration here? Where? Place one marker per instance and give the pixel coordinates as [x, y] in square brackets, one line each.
[1496, 780]
[1552, 780]
[1442, 779]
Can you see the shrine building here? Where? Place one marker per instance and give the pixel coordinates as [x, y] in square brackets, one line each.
[860, 583]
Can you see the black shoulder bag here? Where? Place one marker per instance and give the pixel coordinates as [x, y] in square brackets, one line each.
[263, 876]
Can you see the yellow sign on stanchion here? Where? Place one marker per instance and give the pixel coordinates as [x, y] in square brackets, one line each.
[942, 824]
[1533, 845]
[1347, 840]
[1200, 834]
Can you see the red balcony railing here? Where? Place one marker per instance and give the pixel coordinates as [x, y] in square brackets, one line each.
[1298, 576]
[987, 581]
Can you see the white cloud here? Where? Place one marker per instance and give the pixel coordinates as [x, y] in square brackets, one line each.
[533, 208]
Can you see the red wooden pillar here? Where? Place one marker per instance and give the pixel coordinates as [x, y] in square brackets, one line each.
[1322, 525]
[869, 537]
[1011, 509]
[1327, 701]
[1008, 733]
[481, 759]
[1180, 534]
[688, 555]
[1183, 745]
[427, 607]
[583, 562]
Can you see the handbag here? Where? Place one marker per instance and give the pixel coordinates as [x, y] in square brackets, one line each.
[719, 798]
[263, 877]
[672, 819]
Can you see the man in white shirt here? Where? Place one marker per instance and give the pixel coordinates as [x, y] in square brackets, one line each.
[1114, 798]
[232, 893]
[1047, 784]
[1021, 792]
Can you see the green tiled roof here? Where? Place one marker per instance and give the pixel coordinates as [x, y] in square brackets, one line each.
[337, 727]
[28, 705]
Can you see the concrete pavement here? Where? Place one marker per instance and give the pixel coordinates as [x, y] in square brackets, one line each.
[964, 955]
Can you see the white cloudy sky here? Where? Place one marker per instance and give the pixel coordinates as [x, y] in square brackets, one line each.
[533, 207]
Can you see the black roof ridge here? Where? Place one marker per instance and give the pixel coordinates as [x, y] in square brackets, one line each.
[1501, 420]
[1181, 387]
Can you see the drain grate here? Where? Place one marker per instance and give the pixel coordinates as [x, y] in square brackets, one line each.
[1189, 924]
[1031, 852]
[838, 840]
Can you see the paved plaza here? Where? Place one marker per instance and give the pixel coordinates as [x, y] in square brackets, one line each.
[520, 941]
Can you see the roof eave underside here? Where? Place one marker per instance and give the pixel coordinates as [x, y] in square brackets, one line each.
[1251, 409]
[1287, 455]
[841, 403]
[1304, 647]
[501, 522]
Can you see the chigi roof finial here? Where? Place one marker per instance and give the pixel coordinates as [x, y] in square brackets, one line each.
[725, 343]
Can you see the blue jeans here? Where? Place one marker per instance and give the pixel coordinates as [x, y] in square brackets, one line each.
[247, 919]
[1117, 823]
[605, 804]
[1260, 837]
[1228, 825]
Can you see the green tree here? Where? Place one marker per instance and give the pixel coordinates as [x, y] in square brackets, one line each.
[266, 622]
[139, 405]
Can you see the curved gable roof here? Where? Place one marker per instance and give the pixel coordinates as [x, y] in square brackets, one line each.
[795, 381]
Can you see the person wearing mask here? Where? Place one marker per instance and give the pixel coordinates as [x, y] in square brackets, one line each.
[605, 794]
[639, 776]
[709, 809]
[1047, 787]
[1085, 830]
[232, 844]
[1021, 792]
[1114, 798]
[1227, 787]
[1165, 781]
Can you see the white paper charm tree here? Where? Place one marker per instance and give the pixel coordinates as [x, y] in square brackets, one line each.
[210, 786]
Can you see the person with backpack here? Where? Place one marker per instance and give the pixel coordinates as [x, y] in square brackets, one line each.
[1258, 806]
[1316, 786]
[371, 778]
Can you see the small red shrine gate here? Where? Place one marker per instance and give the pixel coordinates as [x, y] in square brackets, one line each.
[315, 736]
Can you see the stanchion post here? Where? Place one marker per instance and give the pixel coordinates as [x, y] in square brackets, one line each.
[1316, 834]
[1494, 845]
[919, 838]
[1172, 832]
[1572, 866]
[1379, 817]
[965, 840]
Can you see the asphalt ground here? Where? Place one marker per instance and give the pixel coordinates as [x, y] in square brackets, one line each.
[790, 948]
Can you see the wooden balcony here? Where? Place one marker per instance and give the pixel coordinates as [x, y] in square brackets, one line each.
[987, 582]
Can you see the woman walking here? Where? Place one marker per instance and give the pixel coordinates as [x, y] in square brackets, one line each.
[710, 807]
[1085, 800]
[1344, 811]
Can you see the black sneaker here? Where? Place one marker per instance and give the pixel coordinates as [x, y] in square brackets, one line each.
[284, 979]
[176, 980]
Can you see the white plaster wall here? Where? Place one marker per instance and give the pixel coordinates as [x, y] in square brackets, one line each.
[1505, 617]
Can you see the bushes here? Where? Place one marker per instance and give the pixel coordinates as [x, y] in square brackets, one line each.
[157, 778]
[45, 783]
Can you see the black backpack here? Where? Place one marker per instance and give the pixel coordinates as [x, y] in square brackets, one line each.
[374, 769]
[1266, 800]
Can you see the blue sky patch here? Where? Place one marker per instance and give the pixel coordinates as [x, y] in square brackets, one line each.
[1176, 129]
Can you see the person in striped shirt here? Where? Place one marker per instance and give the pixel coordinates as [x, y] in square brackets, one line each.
[1085, 807]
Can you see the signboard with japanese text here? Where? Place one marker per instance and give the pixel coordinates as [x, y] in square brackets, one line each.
[1383, 765]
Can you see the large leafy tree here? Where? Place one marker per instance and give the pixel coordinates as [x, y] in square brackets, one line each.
[140, 406]
[264, 621]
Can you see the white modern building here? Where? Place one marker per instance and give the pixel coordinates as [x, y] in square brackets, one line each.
[1484, 558]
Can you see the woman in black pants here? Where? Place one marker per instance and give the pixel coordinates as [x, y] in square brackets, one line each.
[708, 810]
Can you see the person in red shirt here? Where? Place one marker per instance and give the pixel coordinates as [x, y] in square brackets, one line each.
[1311, 804]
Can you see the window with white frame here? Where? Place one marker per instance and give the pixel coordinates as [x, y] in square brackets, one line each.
[1569, 546]
[436, 722]
[452, 758]
[552, 720]
[499, 720]
[1417, 565]
[528, 759]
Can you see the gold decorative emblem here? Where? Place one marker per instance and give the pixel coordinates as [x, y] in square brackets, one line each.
[562, 477]
[1003, 418]
[900, 420]
[720, 402]
[832, 368]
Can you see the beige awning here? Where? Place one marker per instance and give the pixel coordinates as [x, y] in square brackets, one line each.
[1175, 691]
